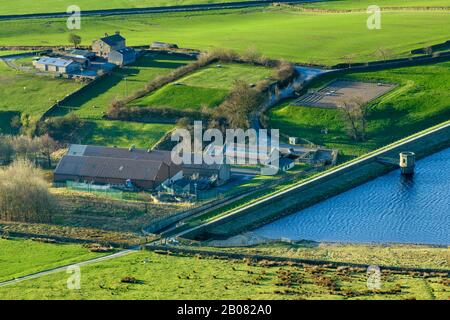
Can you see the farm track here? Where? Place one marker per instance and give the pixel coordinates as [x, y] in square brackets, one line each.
[63, 268]
[166, 9]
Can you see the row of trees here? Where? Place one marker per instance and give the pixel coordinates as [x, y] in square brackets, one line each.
[25, 147]
[24, 194]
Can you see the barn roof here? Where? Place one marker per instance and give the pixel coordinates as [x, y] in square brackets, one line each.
[115, 168]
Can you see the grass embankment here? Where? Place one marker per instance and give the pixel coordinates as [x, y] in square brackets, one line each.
[82, 209]
[420, 101]
[27, 94]
[188, 277]
[52, 6]
[22, 257]
[406, 256]
[207, 87]
[325, 38]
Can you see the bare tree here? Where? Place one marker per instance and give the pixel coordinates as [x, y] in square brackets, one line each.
[24, 194]
[354, 114]
[383, 53]
[74, 39]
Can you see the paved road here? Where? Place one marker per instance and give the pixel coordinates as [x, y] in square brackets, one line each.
[64, 268]
[198, 7]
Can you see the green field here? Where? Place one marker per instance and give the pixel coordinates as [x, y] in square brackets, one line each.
[421, 101]
[122, 82]
[325, 38]
[123, 134]
[177, 277]
[23, 257]
[363, 4]
[408, 256]
[207, 87]
[24, 93]
[50, 6]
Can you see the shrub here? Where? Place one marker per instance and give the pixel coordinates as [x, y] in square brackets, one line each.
[24, 194]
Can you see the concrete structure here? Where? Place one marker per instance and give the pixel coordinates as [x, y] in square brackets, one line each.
[219, 174]
[104, 46]
[407, 162]
[57, 65]
[122, 57]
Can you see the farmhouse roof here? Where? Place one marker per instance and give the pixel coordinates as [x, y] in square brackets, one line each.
[112, 40]
[58, 62]
[104, 167]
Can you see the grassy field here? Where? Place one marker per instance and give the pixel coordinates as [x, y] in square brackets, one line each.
[206, 87]
[421, 100]
[187, 277]
[325, 38]
[408, 256]
[123, 134]
[363, 4]
[24, 93]
[50, 6]
[22, 257]
[122, 82]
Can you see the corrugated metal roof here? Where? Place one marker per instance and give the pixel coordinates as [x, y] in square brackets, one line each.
[137, 154]
[58, 62]
[114, 168]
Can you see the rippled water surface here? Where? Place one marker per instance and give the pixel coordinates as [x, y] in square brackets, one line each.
[387, 209]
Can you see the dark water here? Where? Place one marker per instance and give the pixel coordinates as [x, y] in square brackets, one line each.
[387, 209]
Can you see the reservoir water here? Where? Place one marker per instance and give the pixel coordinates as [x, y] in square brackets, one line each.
[388, 209]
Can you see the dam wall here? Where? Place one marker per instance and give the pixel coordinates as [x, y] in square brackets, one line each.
[319, 188]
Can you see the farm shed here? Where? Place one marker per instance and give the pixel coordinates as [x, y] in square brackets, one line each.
[122, 57]
[144, 174]
[57, 65]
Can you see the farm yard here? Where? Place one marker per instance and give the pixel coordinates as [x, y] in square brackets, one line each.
[277, 32]
[207, 87]
[421, 100]
[138, 276]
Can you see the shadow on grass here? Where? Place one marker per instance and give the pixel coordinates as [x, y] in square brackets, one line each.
[6, 118]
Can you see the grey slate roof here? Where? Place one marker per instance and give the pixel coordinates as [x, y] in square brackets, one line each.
[112, 40]
[135, 154]
[103, 167]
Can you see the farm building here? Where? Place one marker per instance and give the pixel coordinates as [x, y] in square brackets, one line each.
[57, 65]
[104, 46]
[221, 173]
[163, 45]
[143, 174]
[122, 57]
[79, 53]
[145, 168]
